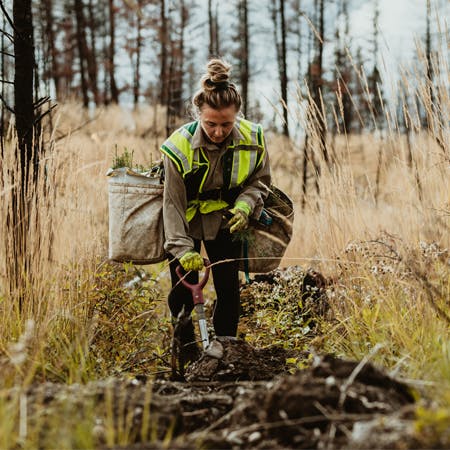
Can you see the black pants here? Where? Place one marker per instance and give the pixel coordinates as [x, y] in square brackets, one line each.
[226, 283]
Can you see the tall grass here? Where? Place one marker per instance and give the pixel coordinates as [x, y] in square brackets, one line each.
[378, 227]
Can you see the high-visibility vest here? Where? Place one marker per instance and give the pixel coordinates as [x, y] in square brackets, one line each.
[240, 160]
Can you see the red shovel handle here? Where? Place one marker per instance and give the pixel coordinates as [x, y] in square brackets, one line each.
[196, 289]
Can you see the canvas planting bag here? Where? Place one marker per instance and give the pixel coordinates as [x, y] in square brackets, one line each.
[265, 241]
[136, 230]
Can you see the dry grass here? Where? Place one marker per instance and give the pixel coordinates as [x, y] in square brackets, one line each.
[378, 232]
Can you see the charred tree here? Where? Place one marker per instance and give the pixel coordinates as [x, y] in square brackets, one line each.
[213, 26]
[244, 53]
[68, 56]
[343, 71]
[91, 54]
[24, 176]
[51, 51]
[137, 66]
[111, 52]
[283, 69]
[3, 76]
[376, 100]
[82, 49]
[297, 7]
[164, 41]
[428, 53]
[279, 26]
[317, 82]
[24, 65]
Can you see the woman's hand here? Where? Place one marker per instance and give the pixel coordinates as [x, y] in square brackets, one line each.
[239, 221]
[191, 260]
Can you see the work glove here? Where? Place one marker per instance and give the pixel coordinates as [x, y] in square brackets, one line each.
[191, 260]
[239, 221]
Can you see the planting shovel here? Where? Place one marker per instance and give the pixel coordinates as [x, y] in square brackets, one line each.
[197, 296]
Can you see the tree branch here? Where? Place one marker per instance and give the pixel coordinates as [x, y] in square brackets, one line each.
[6, 53]
[9, 36]
[6, 105]
[8, 18]
[38, 119]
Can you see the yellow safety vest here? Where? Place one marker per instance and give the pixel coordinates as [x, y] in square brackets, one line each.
[239, 162]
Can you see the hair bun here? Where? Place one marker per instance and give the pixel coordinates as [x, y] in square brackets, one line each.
[217, 75]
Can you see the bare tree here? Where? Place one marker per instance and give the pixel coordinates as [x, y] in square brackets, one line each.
[213, 23]
[244, 52]
[50, 51]
[164, 33]
[112, 51]
[280, 35]
[82, 48]
[24, 175]
[342, 71]
[317, 79]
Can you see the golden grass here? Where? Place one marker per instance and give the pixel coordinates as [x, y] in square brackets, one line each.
[379, 230]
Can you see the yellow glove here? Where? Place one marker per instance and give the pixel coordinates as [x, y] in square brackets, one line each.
[191, 261]
[239, 221]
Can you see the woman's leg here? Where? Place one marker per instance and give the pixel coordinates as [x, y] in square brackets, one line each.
[181, 296]
[185, 345]
[226, 282]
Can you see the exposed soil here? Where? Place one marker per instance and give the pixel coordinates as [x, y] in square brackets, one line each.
[246, 400]
[241, 397]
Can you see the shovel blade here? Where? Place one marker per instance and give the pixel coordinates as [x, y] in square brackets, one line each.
[203, 333]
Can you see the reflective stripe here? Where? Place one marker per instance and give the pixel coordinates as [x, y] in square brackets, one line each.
[254, 131]
[204, 207]
[235, 169]
[243, 155]
[253, 161]
[181, 156]
[186, 134]
[244, 163]
[244, 166]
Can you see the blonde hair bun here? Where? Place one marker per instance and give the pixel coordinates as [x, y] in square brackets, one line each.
[216, 89]
[217, 75]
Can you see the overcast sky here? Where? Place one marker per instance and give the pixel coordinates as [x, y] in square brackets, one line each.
[401, 24]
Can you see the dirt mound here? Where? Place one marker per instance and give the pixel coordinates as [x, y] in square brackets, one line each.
[332, 404]
[313, 408]
[239, 361]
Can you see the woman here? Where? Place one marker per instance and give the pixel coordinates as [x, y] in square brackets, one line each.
[215, 166]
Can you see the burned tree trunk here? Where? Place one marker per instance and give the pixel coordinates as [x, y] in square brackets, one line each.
[23, 86]
[81, 46]
[279, 28]
[244, 54]
[164, 41]
[24, 175]
[283, 69]
[137, 67]
[317, 83]
[112, 47]
[92, 65]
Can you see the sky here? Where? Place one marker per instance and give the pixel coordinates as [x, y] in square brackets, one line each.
[402, 23]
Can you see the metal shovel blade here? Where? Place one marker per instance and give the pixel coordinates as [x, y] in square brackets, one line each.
[200, 312]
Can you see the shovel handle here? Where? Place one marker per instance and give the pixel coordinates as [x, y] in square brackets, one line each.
[196, 289]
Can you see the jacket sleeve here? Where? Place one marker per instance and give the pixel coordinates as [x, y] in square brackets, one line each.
[174, 212]
[256, 187]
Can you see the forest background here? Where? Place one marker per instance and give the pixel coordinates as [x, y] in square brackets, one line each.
[359, 142]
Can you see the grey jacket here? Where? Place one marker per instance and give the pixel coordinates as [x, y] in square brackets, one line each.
[179, 233]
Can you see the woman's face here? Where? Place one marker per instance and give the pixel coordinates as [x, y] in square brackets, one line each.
[217, 123]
